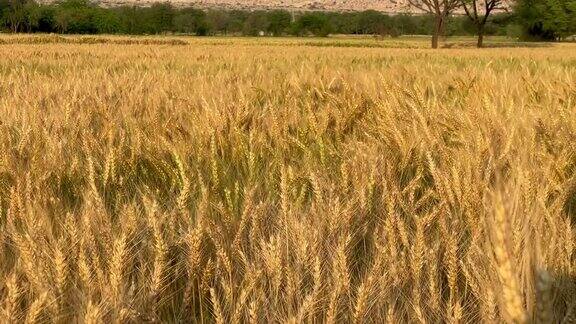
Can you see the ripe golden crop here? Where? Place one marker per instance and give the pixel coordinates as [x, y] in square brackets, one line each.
[285, 180]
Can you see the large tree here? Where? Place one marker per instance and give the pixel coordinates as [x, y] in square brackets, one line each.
[547, 19]
[478, 11]
[440, 9]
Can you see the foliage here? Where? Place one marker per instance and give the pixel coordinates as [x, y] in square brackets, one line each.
[279, 22]
[547, 19]
[83, 17]
[191, 21]
[312, 23]
[160, 18]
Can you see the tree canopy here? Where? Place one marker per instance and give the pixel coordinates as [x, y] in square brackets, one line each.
[547, 19]
[536, 19]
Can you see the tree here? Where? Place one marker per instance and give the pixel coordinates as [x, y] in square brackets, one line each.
[547, 19]
[190, 20]
[278, 22]
[405, 24]
[314, 23]
[219, 21]
[369, 22]
[130, 20]
[106, 21]
[15, 14]
[33, 15]
[440, 9]
[161, 17]
[343, 22]
[76, 17]
[235, 22]
[255, 23]
[478, 11]
[45, 19]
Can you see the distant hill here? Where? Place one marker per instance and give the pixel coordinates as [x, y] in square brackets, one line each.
[388, 6]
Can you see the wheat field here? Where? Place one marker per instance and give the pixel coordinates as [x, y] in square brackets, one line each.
[285, 181]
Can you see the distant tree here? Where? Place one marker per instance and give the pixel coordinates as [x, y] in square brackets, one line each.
[342, 22]
[218, 21]
[440, 9]
[106, 21]
[133, 20]
[161, 17]
[478, 11]
[278, 22]
[83, 16]
[191, 21]
[366, 21]
[33, 15]
[14, 15]
[236, 19]
[45, 22]
[256, 22]
[405, 24]
[75, 16]
[315, 23]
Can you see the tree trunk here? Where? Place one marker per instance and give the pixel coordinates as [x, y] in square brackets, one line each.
[480, 43]
[438, 26]
[434, 40]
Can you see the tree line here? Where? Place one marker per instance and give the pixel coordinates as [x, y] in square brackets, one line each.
[530, 19]
[539, 19]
